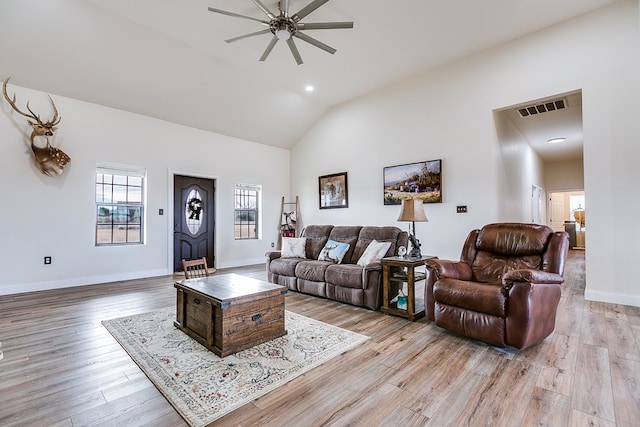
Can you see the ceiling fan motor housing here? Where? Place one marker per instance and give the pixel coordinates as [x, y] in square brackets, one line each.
[283, 28]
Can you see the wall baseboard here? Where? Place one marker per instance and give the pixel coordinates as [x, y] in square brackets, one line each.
[79, 281]
[21, 288]
[242, 263]
[613, 298]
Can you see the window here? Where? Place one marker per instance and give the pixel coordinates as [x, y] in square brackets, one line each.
[247, 212]
[119, 205]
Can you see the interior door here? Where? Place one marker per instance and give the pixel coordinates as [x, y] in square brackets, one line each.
[193, 220]
[557, 217]
[536, 204]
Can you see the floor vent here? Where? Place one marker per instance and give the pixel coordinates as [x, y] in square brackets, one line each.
[544, 107]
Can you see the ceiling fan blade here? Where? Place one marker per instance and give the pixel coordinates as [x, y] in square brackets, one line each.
[269, 48]
[257, 33]
[308, 9]
[235, 15]
[263, 8]
[315, 42]
[324, 25]
[284, 7]
[294, 51]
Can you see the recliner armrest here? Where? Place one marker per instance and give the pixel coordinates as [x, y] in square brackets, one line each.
[450, 269]
[531, 276]
[376, 265]
[531, 309]
[271, 255]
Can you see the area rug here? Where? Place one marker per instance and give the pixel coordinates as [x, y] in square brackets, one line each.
[203, 387]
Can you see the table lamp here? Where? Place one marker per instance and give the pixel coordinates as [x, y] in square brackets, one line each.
[413, 210]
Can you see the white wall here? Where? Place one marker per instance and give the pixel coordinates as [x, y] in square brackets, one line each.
[564, 175]
[42, 215]
[521, 168]
[447, 114]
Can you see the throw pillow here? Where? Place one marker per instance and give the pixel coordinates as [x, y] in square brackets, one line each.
[374, 252]
[333, 251]
[293, 247]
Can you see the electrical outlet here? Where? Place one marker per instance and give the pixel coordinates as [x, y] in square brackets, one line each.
[461, 209]
[160, 211]
[47, 260]
[273, 244]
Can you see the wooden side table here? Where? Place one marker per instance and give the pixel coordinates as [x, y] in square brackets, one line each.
[395, 272]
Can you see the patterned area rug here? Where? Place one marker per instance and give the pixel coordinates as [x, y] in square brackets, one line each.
[202, 386]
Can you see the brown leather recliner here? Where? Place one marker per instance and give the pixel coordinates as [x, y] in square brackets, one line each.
[506, 287]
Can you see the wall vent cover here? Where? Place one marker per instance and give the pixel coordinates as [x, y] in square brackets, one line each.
[543, 107]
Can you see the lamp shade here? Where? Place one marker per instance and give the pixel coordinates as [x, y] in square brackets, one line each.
[412, 210]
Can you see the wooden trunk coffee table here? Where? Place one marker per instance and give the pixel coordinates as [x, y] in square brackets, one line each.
[228, 313]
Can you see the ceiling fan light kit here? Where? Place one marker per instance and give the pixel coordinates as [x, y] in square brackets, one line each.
[285, 27]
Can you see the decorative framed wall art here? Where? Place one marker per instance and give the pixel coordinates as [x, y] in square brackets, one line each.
[333, 191]
[420, 180]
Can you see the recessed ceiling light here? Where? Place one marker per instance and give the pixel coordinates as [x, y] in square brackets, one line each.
[309, 88]
[556, 140]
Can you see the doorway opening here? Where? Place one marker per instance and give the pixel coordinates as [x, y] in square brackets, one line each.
[567, 212]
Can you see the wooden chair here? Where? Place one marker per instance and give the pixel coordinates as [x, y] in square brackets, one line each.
[195, 268]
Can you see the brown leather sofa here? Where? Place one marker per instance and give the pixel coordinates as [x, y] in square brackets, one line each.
[506, 287]
[345, 282]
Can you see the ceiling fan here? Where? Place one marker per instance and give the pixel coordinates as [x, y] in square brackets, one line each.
[285, 26]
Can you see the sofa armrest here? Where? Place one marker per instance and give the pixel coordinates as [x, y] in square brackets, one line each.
[450, 269]
[373, 266]
[271, 255]
[530, 276]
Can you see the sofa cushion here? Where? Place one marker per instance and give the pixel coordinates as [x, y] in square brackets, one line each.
[312, 270]
[317, 236]
[333, 251]
[485, 298]
[345, 275]
[284, 266]
[381, 234]
[374, 252]
[293, 247]
[346, 234]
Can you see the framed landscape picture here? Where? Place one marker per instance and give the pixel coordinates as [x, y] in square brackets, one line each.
[333, 191]
[421, 180]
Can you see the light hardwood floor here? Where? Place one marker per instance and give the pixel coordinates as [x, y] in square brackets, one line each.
[62, 368]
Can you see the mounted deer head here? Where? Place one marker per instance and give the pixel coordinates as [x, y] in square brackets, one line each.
[50, 160]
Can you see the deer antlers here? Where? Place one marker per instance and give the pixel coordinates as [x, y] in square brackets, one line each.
[50, 160]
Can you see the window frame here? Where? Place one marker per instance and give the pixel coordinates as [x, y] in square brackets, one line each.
[239, 211]
[120, 182]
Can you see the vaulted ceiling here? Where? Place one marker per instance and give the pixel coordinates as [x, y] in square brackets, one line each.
[169, 59]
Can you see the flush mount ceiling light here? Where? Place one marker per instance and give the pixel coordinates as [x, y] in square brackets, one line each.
[556, 140]
[285, 27]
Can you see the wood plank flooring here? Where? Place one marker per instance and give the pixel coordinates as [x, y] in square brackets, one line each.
[62, 368]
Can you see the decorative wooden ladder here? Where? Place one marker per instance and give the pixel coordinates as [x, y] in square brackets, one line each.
[289, 213]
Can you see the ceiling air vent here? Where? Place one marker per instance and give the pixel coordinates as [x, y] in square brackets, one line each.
[544, 107]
